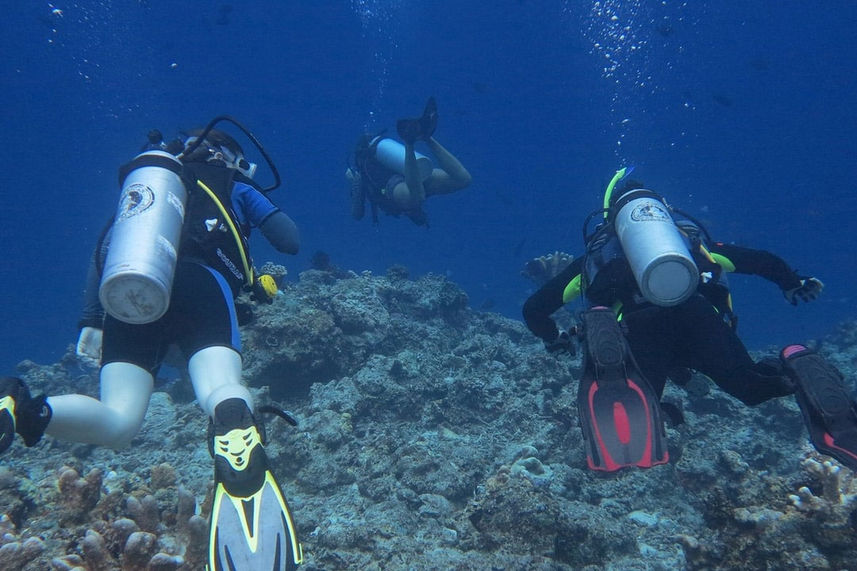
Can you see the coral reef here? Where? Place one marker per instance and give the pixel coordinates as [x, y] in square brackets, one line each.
[543, 268]
[432, 436]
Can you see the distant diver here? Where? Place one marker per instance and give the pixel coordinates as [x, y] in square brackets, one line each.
[659, 305]
[395, 178]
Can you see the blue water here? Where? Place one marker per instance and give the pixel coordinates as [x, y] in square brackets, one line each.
[739, 112]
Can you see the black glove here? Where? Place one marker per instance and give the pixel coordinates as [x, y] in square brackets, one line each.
[808, 290]
[562, 343]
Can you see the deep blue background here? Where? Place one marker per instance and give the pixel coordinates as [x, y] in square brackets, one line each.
[739, 112]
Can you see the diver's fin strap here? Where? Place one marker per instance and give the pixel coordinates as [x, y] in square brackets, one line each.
[824, 399]
[606, 348]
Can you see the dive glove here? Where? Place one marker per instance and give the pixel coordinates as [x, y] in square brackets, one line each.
[808, 290]
[89, 344]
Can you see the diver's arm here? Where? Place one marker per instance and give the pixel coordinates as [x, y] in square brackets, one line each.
[258, 210]
[282, 232]
[451, 175]
[758, 262]
[543, 303]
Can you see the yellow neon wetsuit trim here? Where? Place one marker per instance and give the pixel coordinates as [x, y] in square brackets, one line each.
[572, 290]
[723, 262]
[248, 270]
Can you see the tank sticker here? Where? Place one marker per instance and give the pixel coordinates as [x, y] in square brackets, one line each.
[167, 248]
[135, 200]
[176, 203]
[649, 212]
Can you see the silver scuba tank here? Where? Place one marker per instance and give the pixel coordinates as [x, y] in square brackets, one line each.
[141, 261]
[391, 154]
[655, 249]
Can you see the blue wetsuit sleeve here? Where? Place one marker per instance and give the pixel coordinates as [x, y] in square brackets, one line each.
[254, 209]
[251, 206]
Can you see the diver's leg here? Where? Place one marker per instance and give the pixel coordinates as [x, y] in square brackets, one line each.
[649, 332]
[216, 376]
[261, 533]
[112, 421]
[451, 175]
[709, 345]
[250, 525]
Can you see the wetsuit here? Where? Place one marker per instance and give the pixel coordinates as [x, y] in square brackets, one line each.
[378, 183]
[695, 334]
[202, 310]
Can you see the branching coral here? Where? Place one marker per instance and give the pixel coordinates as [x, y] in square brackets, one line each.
[838, 490]
[14, 550]
[543, 268]
[79, 495]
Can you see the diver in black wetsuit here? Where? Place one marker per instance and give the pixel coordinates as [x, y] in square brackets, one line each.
[698, 332]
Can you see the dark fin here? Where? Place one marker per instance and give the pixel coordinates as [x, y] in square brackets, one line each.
[246, 493]
[829, 411]
[409, 130]
[428, 122]
[619, 411]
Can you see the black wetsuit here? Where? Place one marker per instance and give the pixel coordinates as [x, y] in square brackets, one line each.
[692, 335]
[378, 183]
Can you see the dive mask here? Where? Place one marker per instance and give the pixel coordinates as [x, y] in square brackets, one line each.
[227, 157]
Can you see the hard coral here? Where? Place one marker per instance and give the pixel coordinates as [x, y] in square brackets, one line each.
[838, 491]
[543, 268]
[79, 495]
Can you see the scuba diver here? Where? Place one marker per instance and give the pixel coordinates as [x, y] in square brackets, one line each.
[166, 272]
[397, 179]
[659, 306]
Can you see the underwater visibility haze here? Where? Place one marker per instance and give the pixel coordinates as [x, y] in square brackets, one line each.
[424, 403]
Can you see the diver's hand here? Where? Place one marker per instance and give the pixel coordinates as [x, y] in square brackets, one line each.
[89, 345]
[808, 290]
[562, 344]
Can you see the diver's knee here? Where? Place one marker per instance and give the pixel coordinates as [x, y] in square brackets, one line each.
[123, 434]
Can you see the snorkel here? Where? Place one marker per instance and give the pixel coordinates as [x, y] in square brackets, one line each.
[605, 210]
[608, 193]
